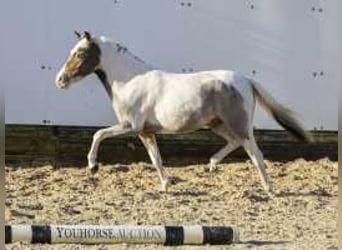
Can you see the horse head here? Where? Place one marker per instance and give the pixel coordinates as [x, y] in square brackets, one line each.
[83, 60]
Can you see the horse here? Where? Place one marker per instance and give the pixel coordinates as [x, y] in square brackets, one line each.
[148, 101]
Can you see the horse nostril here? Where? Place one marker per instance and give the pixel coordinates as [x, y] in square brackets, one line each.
[58, 78]
[61, 79]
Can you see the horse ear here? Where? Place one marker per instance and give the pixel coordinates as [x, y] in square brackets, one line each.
[78, 35]
[86, 35]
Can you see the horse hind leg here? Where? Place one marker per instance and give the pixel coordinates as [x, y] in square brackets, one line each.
[233, 127]
[231, 145]
[151, 146]
[234, 114]
[256, 156]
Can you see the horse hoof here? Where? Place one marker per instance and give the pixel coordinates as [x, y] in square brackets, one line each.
[213, 169]
[270, 195]
[94, 169]
[165, 184]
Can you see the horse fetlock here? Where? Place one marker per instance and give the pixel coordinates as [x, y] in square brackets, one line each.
[91, 160]
[213, 165]
[268, 185]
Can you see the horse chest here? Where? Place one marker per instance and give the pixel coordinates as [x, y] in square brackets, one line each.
[121, 111]
[132, 110]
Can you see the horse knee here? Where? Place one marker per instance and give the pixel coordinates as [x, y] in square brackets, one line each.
[97, 136]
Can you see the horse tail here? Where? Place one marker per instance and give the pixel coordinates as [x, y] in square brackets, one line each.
[284, 116]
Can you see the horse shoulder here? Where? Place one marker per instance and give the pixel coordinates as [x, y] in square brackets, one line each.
[136, 99]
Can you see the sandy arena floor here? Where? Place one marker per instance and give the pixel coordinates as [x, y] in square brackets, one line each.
[303, 214]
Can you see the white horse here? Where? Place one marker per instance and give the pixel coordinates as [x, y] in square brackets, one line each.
[148, 102]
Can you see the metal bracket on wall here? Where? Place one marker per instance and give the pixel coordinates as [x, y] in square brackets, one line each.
[187, 70]
[250, 4]
[44, 67]
[186, 4]
[318, 74]
[316, 9]
[46, 122]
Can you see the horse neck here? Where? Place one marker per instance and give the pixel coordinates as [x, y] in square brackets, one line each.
[121, 67]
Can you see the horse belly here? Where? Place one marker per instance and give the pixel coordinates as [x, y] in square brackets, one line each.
[180, 117]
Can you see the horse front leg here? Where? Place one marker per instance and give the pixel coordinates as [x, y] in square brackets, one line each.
[99, 136]
[151, 146]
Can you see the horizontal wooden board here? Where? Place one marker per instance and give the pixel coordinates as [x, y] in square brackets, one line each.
[62, 144]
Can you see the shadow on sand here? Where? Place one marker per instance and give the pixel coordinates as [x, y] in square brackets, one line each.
[263, 242]
[188, 193]
[316, 192]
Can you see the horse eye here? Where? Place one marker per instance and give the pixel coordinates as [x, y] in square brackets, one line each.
[79, 55]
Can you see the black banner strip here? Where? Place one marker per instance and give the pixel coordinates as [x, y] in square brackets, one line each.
[8, 234]
[41, 234]
[218, 235]
[174, 236]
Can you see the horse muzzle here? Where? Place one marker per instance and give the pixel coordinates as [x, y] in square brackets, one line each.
[62, 81]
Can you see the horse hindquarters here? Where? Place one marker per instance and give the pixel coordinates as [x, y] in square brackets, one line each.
[232, 112]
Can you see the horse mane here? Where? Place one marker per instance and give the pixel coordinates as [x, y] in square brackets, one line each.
[122, 49]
